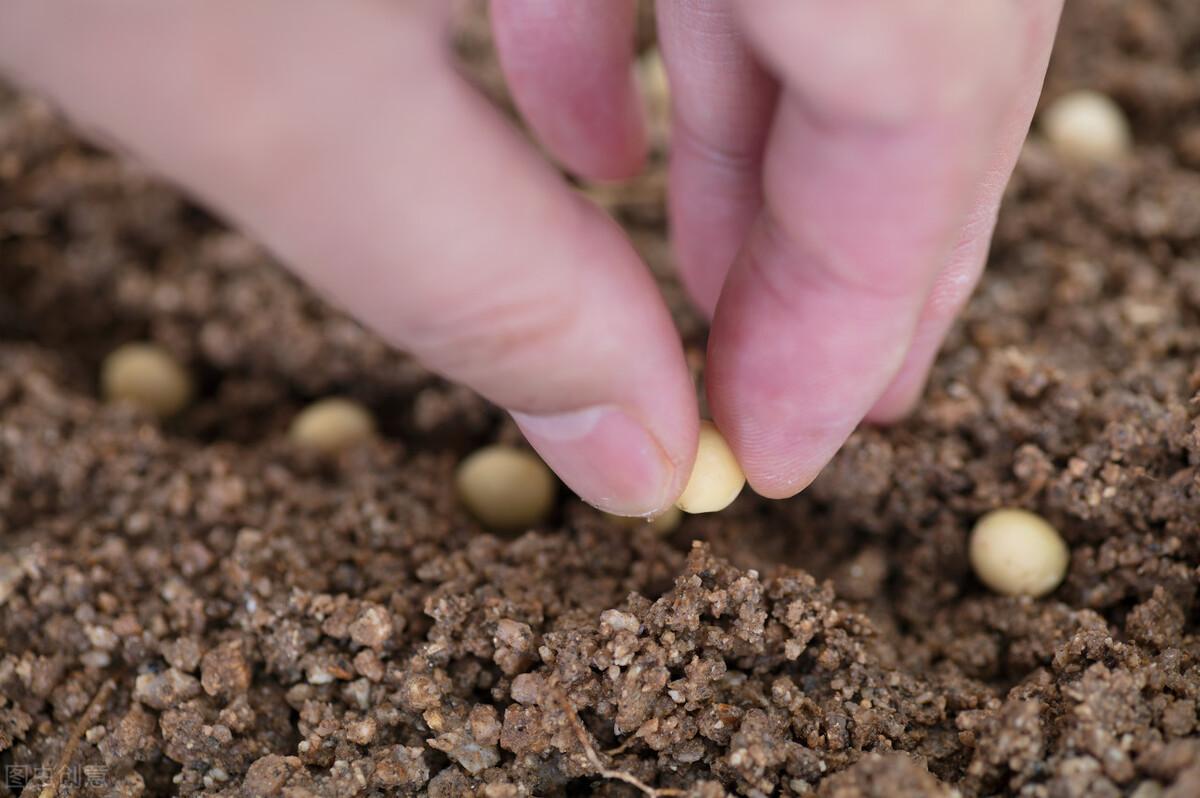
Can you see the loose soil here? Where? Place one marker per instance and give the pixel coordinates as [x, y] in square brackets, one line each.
[197, 608]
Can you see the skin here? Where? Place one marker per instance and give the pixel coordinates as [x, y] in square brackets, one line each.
[836, 171]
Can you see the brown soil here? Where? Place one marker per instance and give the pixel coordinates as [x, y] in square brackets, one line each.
[196, 608]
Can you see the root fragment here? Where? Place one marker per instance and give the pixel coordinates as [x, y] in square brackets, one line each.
[589, 751]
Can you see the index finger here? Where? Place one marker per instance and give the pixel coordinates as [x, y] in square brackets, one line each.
[889, 116]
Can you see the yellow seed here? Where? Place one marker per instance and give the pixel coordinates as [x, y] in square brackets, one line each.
[146, 376]
[1086, 125]
[652, 77]
[716, 478]
[505, 488]
[1017, 553]
[331, 425]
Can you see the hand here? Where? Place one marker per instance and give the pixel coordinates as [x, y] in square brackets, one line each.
[835, 174]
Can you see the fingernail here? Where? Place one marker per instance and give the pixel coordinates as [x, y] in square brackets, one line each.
[610, 460]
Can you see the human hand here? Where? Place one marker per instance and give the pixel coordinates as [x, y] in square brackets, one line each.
[836, 169]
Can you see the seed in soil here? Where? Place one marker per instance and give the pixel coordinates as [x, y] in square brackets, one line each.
[1086, 125]
[146, 376]
[716, 478]
[505, 488]
[1016, 553]
[331, 425]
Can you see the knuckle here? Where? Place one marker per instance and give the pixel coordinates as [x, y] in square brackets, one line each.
[812, 265]
[887, 64]
[491, 335]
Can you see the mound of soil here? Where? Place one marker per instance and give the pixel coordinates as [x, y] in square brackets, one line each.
[197, 608]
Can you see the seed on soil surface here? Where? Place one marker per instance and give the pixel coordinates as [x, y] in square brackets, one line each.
[331, 425]
[146, 376]
[1016, 553]
[505, 488]
[716, 478]
[1086, 125]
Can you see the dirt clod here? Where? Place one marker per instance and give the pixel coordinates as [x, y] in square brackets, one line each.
[196, 606]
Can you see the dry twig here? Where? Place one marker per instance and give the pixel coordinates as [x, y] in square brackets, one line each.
[68, 753]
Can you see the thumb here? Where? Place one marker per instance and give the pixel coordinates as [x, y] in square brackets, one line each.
[438, 227]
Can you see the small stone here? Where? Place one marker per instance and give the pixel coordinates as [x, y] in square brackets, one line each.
[526, 688]
[166, 689]
[500, 790]
[484, 724]
[620, 621]
[373, 627]
[358, 693]
[419, 692]
[466, 751]
[224, 670]
[361, 732]
[183, 653]
[318, 673]
[514, 642]
[101, 637]
[267, 775]
[368, 664]
[401, 766]
[324, 666]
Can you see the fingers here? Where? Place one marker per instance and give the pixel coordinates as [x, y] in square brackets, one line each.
[954, 285]
[884, 131]
[946, 299]
[341, 137]
[569, 67]
[722, 102]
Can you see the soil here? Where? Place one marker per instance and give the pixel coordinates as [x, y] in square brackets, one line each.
[197, 608]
